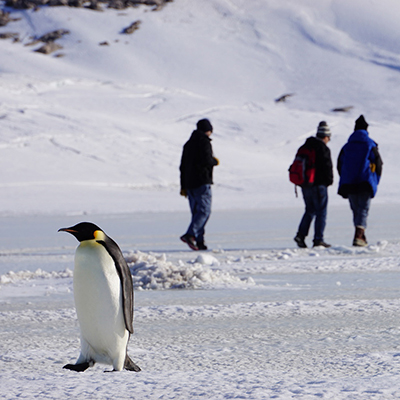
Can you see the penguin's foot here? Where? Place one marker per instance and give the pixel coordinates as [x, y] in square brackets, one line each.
[130, 365]
[79, 367]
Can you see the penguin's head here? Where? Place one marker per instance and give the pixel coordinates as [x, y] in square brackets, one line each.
[85, 231]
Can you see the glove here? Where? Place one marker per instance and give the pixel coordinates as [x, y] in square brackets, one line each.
[183, 193]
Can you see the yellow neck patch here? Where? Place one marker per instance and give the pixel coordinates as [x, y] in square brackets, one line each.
[99, 235]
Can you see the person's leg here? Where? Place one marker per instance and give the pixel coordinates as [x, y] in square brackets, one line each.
[309, 212]
[353, 201]
[201, 209]
[307, 218]
[360, 204]
[364, 202]
[193, 205]
[321, 206]
[203, 212]
[189, 237]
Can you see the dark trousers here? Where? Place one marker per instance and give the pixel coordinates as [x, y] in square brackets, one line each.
[316, 202]
[200, 207]
[359, 204]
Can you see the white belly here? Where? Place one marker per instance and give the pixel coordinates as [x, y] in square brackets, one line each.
[98, 301]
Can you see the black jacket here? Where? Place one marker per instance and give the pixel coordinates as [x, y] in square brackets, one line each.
[323, 161]
[197, 161]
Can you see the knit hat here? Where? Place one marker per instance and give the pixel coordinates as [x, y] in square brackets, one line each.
[361, 123]
[323, 130]
[204, 125]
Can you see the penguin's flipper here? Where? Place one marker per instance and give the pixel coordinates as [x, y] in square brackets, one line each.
[130, 365]
[125, 277]
[78, 367]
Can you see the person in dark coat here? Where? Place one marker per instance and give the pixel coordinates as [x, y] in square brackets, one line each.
[316, 195]
[360, 169]
[196, 170]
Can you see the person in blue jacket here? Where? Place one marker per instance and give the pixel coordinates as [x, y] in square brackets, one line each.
[360, 169]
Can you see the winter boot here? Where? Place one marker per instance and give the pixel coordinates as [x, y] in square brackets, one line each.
[359, 237]
[299, 239]
[190, 241]
[201, 245]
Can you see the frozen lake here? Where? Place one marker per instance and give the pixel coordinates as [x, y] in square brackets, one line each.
[30, 242]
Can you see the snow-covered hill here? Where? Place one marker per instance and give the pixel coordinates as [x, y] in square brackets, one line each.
[101, 129]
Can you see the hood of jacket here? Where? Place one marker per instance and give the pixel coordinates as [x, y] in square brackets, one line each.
[360, 135]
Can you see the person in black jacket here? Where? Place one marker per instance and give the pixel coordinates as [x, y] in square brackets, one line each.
[316, 195]
[196, 170]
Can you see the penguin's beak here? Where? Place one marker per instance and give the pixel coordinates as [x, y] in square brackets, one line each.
[69, 230]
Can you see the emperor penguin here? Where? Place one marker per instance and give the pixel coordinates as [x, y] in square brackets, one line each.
[103, 294]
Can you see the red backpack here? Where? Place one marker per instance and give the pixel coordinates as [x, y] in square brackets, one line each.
[302, 170]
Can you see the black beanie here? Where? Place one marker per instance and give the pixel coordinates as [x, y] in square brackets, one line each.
[361, 123]
[204, 125]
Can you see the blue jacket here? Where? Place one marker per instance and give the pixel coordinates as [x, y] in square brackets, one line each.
[359, 165]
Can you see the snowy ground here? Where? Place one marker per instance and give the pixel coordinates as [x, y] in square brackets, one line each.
[266, 322]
